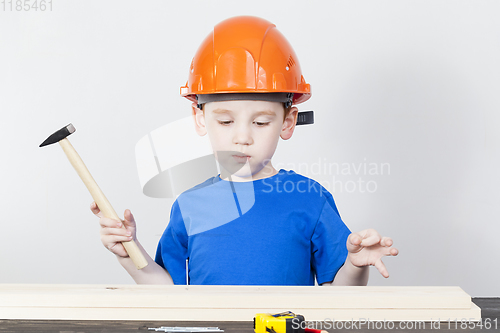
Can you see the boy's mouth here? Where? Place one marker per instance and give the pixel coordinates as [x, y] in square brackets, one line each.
[241, 158]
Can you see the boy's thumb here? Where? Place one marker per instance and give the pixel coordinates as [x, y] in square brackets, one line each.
[128, 216]
[354, 242]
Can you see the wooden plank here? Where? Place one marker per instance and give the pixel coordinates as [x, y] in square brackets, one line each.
[234, 303]
[53, 313]
[233, 296]
[490, 310]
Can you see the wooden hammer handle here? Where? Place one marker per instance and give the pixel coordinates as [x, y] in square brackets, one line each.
[107, 210]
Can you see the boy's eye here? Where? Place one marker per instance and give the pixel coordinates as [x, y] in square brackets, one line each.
[261, 123]
[225, 122]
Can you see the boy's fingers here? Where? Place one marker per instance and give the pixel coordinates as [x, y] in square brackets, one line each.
[128, 215]
[110, 223]
[353, 242]
[129, 221]
[355, 239]
[115, 231]
[371, 240]
[381, 268]
[386, 241]
[393, 251]
[118, 249]
[112, 239]
[95, 209]
[367, 237]
[129, 218]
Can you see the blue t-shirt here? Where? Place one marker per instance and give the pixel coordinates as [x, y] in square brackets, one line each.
[281, 230]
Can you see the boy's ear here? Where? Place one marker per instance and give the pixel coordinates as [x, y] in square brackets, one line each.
[289, 124]
[199, 120]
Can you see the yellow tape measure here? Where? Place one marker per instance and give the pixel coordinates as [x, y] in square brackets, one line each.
[285, 322]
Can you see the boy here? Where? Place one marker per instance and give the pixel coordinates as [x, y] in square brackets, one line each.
[252, 224]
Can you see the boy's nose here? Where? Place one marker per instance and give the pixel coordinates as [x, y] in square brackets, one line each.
[242, 135]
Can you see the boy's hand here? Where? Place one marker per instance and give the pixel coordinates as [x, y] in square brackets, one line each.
[367, 247]
[112, 233]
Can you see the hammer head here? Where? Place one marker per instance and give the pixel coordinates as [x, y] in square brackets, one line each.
[59, 135]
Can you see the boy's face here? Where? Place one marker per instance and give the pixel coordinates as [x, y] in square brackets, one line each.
[244, 135]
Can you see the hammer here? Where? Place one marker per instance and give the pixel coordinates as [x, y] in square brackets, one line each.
[61, 136]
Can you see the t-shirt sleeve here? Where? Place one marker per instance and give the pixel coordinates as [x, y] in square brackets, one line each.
[172, 253]
[329, 242]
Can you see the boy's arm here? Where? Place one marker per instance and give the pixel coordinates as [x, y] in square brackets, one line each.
[365, 248]
[151, 274]
[350, 275]
[112, 234]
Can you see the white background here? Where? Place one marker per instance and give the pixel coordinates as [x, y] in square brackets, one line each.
[410, 84]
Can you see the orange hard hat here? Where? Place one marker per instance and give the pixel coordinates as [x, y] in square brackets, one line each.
[243, 55]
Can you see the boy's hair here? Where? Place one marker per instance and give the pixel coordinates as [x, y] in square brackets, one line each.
[287, 110]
